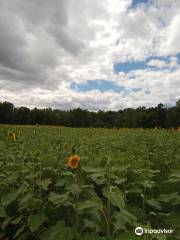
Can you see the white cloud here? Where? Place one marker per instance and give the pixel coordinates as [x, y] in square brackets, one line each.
[172, 44]
[172, 63]
[45, 47]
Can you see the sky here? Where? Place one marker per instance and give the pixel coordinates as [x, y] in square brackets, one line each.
[108, 55]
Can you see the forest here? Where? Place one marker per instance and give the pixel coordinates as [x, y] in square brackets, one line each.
[160, 116]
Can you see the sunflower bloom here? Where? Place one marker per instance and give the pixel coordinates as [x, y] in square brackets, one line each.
[14, 137]
[73, 161]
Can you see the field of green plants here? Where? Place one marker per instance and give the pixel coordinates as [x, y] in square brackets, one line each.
[125, 178]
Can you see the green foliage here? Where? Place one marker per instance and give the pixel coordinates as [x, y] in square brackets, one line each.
[58, 232]
[2, 212]
[159, 116]
[126, 178]
[35, 221]
[92, 203]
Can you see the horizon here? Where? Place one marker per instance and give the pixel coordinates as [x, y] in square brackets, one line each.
[114, 55]
[164, 106]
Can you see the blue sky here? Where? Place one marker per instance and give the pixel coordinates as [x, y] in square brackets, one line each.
[101, 85]
[136, 65]
[136, 2]
[129, 66]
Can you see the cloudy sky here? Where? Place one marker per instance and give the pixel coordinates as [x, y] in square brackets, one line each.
[108, 54]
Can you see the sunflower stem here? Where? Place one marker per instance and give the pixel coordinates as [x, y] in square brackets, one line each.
[77, 200]
[76, 223]
[108, 201]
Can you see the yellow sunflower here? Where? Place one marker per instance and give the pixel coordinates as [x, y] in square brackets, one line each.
[73, 161]
[14, 137]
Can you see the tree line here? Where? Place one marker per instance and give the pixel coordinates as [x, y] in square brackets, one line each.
[159, 116]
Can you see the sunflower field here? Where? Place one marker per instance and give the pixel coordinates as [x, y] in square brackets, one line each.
[60, 183]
